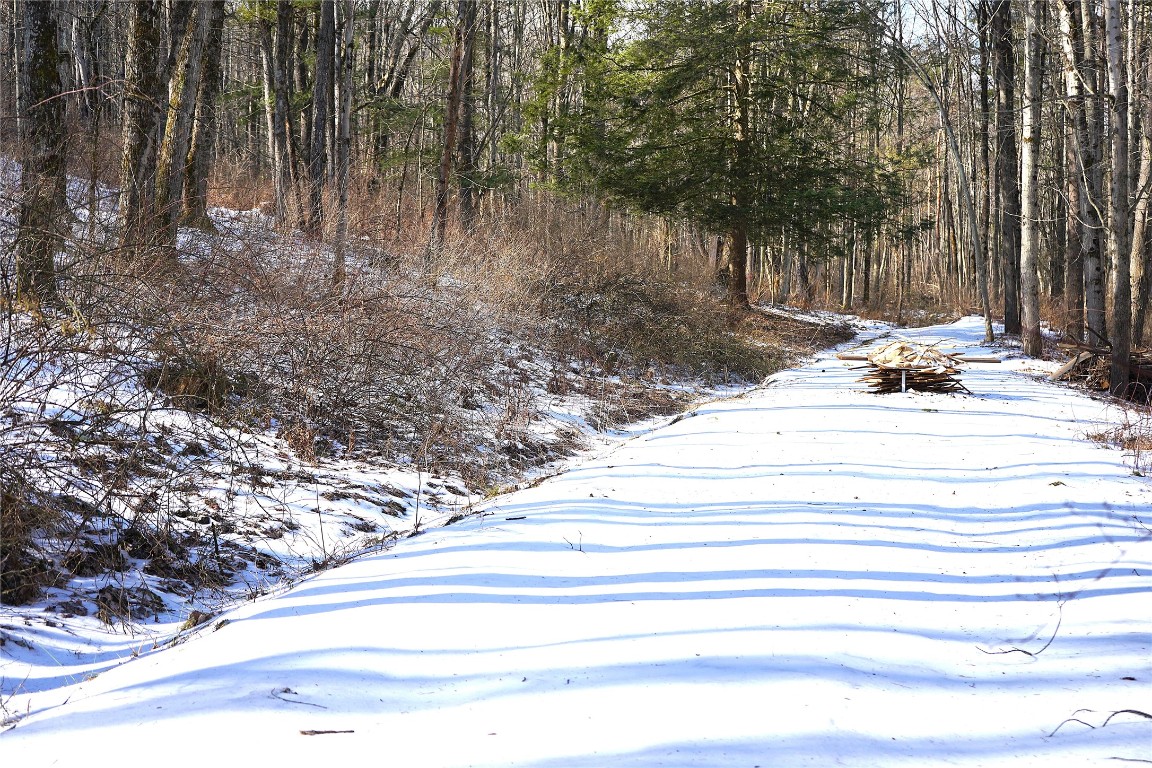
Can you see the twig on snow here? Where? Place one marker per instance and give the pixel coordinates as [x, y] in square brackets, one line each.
[1107, 720]
[276, 695]
[1033, 654]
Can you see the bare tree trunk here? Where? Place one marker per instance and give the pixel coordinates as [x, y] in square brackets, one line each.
[1094, 283]
[171, 163]
[1003, 58]
[321, 95]
[43, 209]
[740, 160]
[1030, 193]
[451, 124]
[143, 95]
[1141, 253]
[199, 164]
[283, 171]
[1073, 244]
[1121, 326]
[467, 148]
[344, 140]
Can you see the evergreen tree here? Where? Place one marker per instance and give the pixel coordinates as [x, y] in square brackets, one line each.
[727, 115]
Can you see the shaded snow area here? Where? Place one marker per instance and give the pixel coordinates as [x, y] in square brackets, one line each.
[802, 574]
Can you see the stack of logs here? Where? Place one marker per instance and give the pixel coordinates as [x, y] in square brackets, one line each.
[903, 365]
[1091, 366]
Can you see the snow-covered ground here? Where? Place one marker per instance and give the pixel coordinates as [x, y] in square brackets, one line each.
[803, 574]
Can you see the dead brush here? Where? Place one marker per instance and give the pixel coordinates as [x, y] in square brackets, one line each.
[1133, 434]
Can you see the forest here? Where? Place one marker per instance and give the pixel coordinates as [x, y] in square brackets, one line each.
[367, 227]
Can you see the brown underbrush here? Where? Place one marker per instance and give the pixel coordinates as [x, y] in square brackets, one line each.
[443, 362]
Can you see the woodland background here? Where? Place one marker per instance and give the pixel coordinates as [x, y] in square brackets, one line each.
[365, 226]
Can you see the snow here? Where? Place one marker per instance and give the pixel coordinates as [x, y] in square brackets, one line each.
[801, 574]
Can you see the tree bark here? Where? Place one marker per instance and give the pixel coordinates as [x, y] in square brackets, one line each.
[1030, 192]
[1141, 253]
[448, 148]
[321, 95]
[741, 195]
[43, 214]
[171, 165]
[283, 167]
[344, 140]
[199, 163]
[1094, 283]
[467, 144]
[1003, 60]
[143, 95]
[1117, 233]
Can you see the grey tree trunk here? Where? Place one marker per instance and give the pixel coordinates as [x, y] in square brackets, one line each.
[1142, 209]
[344, 140]
[1117, 232]
[740, 159]
[1003, 66]
[321, 95]
[1029, 174]
[1094, 283]
[43, 212]
[447, 151]
[143, 95]
[1073, 246]
[467, 144]
[283, 167]
[199, 163]
[171, 165]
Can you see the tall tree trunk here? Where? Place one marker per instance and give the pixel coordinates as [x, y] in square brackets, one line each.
[448, 148]
[467, 143]
[1073, 242]
[43, 212]
[1003, 58]
[199, 164]
[1141, 252]
[171, 165]
[143, 95]
[741, 195]
[321, 95]
[1121, 326]
[344, 139]
[283, 167]
[1030, 193]
[1094, 282]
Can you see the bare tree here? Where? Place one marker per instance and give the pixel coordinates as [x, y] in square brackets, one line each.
[451, 124]
[43, 208]
[1003, 67]
[171, 165]
[195, 205]
[344, 137]
[143, 96]
[1117, 232]
[1029, 175]
[321, 96]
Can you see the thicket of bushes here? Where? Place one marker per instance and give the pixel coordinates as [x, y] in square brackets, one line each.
[244, 330]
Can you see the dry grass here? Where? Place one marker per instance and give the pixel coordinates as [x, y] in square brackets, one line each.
[244, 328]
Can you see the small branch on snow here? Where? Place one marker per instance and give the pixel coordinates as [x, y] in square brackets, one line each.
[1033, 654]
[1107, 720]
[276, 695]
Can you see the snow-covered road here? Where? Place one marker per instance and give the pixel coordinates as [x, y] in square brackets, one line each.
[806, 574]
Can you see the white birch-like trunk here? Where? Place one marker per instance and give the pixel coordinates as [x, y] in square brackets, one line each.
[1117, 231]
[1029, 183]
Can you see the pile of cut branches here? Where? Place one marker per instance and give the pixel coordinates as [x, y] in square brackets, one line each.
[903, 365]
[1090, 367]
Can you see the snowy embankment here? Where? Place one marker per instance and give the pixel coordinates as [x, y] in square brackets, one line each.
[807, 574]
